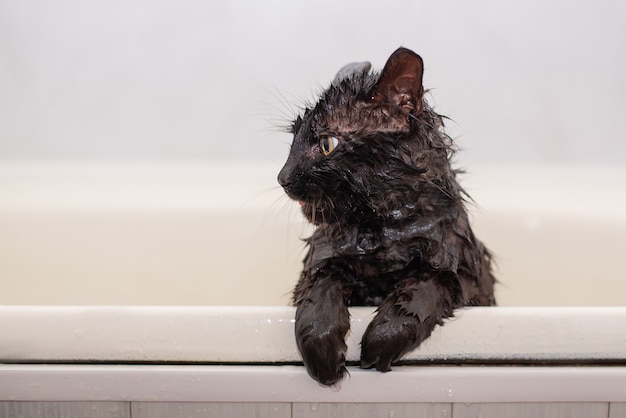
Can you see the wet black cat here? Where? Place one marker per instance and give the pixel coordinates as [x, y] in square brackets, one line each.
[370, 166]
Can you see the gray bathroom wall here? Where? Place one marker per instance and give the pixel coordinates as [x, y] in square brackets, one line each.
[523, 82]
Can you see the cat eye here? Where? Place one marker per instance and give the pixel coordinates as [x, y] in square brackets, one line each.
[328, 144]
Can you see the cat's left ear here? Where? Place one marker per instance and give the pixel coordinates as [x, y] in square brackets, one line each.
[400, 83]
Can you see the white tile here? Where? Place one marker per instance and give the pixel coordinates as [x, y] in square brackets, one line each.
[617, 410]
[210, 410]
[359, 410]
[531, 410]
[10, 409]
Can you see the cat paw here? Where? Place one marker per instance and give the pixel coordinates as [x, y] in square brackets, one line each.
[387, 338]
[324, 355]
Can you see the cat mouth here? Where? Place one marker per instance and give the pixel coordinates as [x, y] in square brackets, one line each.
[308, 210]
[316, 214]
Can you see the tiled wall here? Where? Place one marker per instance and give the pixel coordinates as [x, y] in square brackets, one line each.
[10, 409]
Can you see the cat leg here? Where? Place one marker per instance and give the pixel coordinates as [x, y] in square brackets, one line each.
[322, 321]
[407, 317]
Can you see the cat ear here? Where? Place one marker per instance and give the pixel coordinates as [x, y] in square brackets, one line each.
[350, 70]
[400, 83]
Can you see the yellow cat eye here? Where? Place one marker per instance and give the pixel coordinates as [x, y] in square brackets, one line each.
[328, 144]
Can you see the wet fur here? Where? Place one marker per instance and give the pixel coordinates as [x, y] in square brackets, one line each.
[392, 230]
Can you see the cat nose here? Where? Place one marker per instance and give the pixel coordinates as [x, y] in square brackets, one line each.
[283, 177]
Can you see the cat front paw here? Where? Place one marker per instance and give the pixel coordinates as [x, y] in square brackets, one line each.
[388, 337]
[323, 353]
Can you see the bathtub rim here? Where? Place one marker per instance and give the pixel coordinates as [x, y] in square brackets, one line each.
[264, 335]
[181, 333]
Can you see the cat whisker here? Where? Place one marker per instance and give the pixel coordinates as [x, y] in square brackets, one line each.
[441, 189]
[287, 109]
[279, 206]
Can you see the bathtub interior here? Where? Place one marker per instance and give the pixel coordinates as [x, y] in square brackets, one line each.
[188, 233]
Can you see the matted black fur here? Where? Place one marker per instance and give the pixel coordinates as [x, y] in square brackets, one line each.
[370, 166]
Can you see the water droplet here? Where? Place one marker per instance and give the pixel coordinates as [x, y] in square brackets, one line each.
[336, 387]
[392, 414]
[314, 406]
[450, 393]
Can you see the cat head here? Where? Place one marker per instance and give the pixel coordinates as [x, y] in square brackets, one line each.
[355, 152]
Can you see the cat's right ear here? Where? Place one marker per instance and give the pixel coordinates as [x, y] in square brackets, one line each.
[400, 83]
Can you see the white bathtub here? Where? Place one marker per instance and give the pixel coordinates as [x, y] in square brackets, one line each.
[161, 289]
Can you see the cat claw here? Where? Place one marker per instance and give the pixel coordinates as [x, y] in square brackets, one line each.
[330, 377]
[382, 361]
[327, 373]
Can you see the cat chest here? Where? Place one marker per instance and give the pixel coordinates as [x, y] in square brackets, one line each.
[368, 254]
